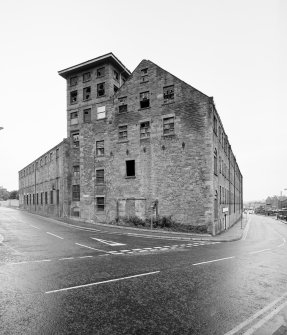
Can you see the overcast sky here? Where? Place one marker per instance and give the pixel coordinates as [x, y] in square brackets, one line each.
[233, 50]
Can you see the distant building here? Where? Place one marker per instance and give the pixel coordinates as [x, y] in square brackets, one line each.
[137, 143]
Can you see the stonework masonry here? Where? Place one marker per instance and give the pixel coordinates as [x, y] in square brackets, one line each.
[135, 141]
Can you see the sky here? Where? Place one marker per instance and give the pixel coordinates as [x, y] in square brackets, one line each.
[233, 50]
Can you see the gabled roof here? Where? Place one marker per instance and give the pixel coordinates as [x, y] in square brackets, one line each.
[94, 62]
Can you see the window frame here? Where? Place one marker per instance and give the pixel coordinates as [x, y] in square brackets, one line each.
[170, 131]
[144, 99]
[100, 150]
[128, 162]
[121, 130]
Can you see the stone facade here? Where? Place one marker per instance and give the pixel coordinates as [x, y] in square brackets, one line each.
[139, 143]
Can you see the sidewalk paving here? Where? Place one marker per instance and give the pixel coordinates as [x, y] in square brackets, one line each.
[233, 234]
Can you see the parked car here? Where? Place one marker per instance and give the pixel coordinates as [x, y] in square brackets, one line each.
[282, 214]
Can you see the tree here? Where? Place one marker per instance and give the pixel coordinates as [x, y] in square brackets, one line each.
[4, 194]
[14, 195]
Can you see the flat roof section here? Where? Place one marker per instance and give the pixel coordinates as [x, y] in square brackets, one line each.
[92, 63]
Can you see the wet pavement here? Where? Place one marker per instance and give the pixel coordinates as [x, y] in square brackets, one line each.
[59, 278]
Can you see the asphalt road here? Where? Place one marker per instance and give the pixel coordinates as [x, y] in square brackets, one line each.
[61, 279]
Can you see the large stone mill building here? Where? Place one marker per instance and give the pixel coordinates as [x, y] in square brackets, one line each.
[142, 143]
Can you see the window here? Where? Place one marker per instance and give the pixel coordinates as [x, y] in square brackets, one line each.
[219, 134]
[58, 197]
[57, 153]
[101, 89]
[100, 72]
[76, 171]
[168, 126]
[86, 76]
[76, 192]
[116, 75]
[100, 204]
[215, 125]
[75, 211]
[73, 97]
[100, 176]
[100, 149]
[33, 199]
[41, 198]
[73, 81]
[37, 197]
[144, 100]
[215, 161]
[51, 197]
[145, 129]
[215, 206]
[87, 93]
[115, 88]
[87, 115]
[123, 132]
[168, 93]
[130, 168]
[74, 117]
[101, 112]
[144, 75]
[46, 198]
[76, 140]
[51, 156]
[123, 107]
[45, 159]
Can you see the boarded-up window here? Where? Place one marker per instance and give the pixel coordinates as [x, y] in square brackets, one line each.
[145, 129]
[123, 107]
[76, 193]
[87, 115]
[168, 126]
[101, 112]
[100, 148]
[100, 176]
[100, 204]
[86, 76]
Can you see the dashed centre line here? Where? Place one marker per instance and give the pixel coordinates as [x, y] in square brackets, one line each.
[55, 235]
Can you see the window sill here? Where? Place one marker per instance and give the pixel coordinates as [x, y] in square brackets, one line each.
[141, 109]
[123, 141]
[145, 139]
[168, 135]
[167, 103]
[130, 177]
[73, 103]
[144, 82]
[101, 96]
[84, 100]
[104, 118]
[100, 184]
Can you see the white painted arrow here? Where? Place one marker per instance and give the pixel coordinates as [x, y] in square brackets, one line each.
[111, 243]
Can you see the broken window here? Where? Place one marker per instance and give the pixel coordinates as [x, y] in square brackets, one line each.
[74, 118]
[101, 89]
[73, 97]
[115, 88]
[116, 75]
[86, 76]
[100, 176]
[76, 171]
[73, 81]
[41, 198]
[215, 125]
[144, 75]
[76, 211]
[100, 149]
[145, 129]
[123, 107]
[130, 168]
[76, 140]
[168, 126]
[215, 161]
[46, 198]
[144, 100]
[168, 93]
[101, 112]
[87, 93]
[76, 192]
[57, 153]
[123, 132]
[100, 72]
[87, 115]
[100, 204]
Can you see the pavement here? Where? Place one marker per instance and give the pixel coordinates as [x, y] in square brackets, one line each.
[234, 233]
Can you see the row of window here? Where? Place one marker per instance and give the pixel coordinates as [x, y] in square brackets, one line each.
[218, 131]
[41, 162]
[87, 112]
[42, 198]
[87, 76]
[87, 93]
[145, 130]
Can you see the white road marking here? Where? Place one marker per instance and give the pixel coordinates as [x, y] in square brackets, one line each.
[102, 282]
[256, 252]
[265, 319]
[55, 235]
[34, 226]
[86, 257]
[85, 246]
[215, 260]
[255, 316]
[7, 246]
[111, 243]
[65, 258]
[42, 260]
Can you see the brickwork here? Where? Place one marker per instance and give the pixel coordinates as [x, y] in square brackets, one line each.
[155, 140]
